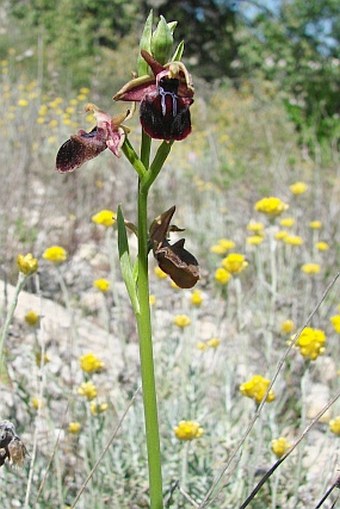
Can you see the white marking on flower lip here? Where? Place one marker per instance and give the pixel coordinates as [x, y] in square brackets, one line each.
[164, 93]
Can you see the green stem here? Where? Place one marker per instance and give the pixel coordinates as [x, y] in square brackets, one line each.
[10, 314]
[156, 166]
[146, 358]
[131, 155]
[145, 149]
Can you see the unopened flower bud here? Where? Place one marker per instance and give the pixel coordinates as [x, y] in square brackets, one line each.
[162, 40]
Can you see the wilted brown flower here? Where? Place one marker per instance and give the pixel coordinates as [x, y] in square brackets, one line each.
[173, 259]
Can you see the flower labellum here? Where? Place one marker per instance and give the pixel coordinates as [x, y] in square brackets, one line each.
[173, 259]
[165, 99]
[81, 147]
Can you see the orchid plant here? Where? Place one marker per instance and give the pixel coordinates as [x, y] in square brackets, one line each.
[164, 89]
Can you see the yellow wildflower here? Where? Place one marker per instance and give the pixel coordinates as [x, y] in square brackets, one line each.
[322, 246]
[334, 425]
[213, 342]
[36, 403]
[293, 240]
[311, 343]
[202, 345]
[288, 326]
[298, 188]
[84, 90]
[280, 446]
[98, 408]
[315, 225]
[90, 363]
[160, 273]
[256, 388]
[188, 430]
[255, 227]
[287, 222]
[55, 254]
[234, 263]
[222, 246]
[255, 240]
[103, 285]
[311, 268]
[32, 318]
[182, 321]
[27, 264]
[196, 298]
[105, 217]
[22, 103]
[335, 321]
[281, 235]
[222, 276]
[272, 206]
[74, 427]
[88, 390]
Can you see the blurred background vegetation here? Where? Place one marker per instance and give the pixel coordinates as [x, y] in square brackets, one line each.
[293, 45]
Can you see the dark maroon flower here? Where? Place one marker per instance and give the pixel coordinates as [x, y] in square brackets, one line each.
[81, 147]
[165, 99]
[173, 259]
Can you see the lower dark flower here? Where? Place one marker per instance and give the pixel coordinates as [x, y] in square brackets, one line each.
[173, 259]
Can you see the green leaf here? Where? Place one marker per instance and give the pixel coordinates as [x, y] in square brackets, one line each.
[125, 262]
[177, 56]
[145, 43]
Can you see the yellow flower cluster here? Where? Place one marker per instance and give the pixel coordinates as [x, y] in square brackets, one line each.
[334, 425]
[98, 408]
[311, 343]
[188, 430]
[182, 321]
[280, 446]
[222, 276]
[293, 240]
[271, 206]
[104, 217]
[288, 326]
[32, 318]
[287, 222]
[335, 321]
[210, 343]
[74, 427]
[255, 240]
[196, 298]
[103, 285]
[88, 390]
[55, 254]
[311, 268]
[256, 388]
[27, 264]
[322, 246]
[222, 246]
[234, 263]
[315, 225]
[255, 227]
[298, 188]
[90, 363]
